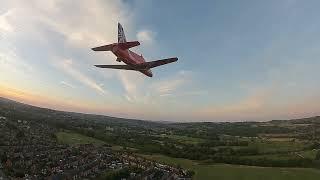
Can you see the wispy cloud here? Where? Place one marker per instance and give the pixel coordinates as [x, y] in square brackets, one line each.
[12, 61]
[91, 23]
[67, 84]
[54, 30]
[4, 24]
[158, 96]
[132, 83]
[172, 84]
[146, 36]
[67, 66]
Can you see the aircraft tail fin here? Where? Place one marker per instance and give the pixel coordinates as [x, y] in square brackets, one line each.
[121, 35]
[128, 45]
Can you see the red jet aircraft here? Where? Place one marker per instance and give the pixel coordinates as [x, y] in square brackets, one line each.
[132, 60]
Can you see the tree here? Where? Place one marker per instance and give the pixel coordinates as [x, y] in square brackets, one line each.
[190, 173]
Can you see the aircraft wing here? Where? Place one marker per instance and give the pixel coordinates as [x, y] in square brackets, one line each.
[125, 67]
[153, 64]
[142, 66]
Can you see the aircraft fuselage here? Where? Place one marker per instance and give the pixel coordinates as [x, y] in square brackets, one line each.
[130, 58]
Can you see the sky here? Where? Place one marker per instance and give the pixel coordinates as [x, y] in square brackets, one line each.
[246, 60]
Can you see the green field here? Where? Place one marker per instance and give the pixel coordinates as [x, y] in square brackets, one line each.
[183, 139]
[238, 172]
[277, 146]
[75, 138]
[310, 154]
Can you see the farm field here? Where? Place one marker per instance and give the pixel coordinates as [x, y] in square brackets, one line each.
[277, 146]
[238, 172]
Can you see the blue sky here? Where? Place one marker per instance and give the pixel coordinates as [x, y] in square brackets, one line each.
[238, 60]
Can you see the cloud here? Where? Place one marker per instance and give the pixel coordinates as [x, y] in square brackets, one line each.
[9, 60]
[146, 36]
[74, 25]
[57, 28]
[4, 24]
[132, 82]
[67, 66]
[171, 85]
[89, 23]
[137, 90]
[67, 84]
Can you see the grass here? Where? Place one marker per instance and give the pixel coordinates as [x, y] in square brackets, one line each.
[277, 146]
[238, 172]
[75, 138]
[283, 157]
[311, 154]
[117, 148]
[284, 139]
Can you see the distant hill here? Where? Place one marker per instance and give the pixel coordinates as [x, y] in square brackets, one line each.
[9, 107]
[12, 108]
[309, 120]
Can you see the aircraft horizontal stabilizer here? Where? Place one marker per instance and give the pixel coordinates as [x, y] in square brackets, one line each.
[104, 48]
